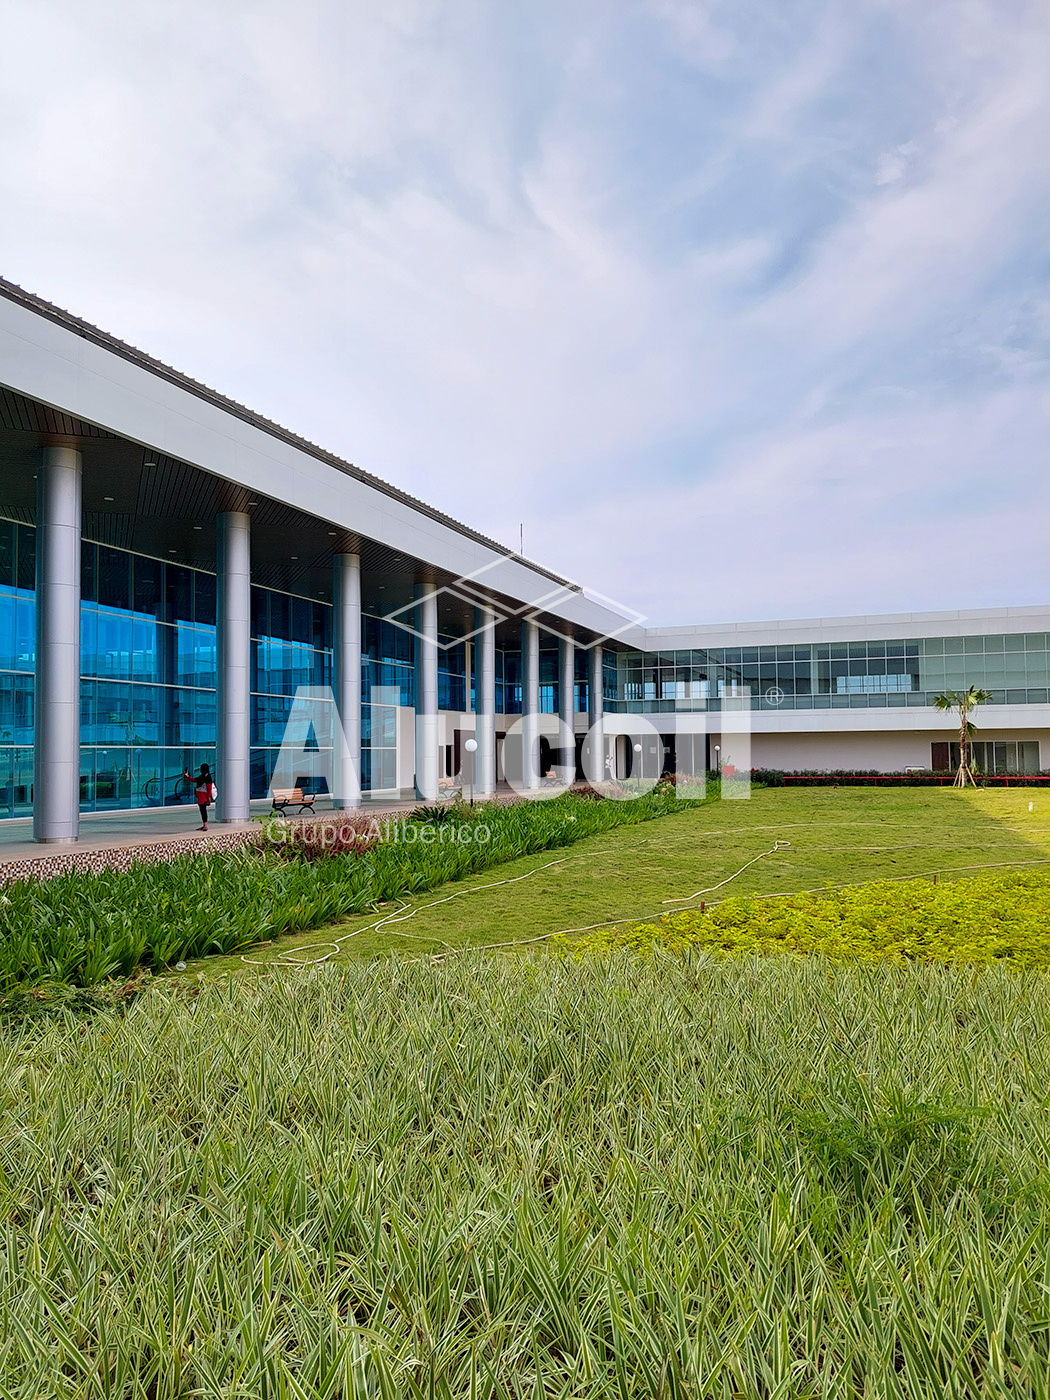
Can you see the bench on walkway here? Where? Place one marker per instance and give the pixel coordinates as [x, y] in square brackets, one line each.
[283, 798]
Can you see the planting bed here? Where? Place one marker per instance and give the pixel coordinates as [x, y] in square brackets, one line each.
[620, 1177]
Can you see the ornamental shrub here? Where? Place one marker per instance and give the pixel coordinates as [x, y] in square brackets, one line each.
[977, 919]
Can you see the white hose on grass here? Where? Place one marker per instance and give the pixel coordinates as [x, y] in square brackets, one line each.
[288, 957]
[685, 898]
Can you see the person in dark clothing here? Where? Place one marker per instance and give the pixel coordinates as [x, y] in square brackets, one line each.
[203, 792]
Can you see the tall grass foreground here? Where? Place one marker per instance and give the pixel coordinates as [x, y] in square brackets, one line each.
[667, 1177]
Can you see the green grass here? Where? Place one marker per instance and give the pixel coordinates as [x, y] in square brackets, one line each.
[837, 836]
[667, 1177]
[83, 929]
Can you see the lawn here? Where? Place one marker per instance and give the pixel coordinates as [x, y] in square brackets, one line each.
[836, 835]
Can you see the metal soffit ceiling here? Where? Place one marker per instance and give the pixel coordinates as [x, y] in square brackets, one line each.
[141, 500]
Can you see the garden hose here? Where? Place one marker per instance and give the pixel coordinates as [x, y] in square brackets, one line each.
[287, 957]
[685, 898]
[291, 957]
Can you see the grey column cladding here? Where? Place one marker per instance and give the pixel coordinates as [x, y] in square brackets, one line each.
[426, 694]
[596, 709]
[567, 708]
[56, 751]
[530, 705]
[485, 719]
[233, 718]
[346, 678]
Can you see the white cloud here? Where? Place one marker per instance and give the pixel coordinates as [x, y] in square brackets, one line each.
[624, 274]
[892, 165]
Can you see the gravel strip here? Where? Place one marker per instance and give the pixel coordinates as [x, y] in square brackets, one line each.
[122, 857]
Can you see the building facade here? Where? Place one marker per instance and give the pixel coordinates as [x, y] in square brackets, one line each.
[858, 693]
[176, 570]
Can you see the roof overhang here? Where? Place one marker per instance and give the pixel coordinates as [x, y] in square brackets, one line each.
[56, 360]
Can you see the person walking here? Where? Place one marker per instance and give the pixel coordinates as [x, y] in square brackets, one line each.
[204, 792]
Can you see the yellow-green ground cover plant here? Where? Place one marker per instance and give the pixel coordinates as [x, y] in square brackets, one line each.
[976, 919]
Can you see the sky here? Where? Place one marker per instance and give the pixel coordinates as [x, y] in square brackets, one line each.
[738, 310]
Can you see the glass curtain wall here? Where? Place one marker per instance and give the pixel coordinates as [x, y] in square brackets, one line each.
[387, 681]
[835, 675]
[988, 756]
[583, 681]
[508, 681]
[291, 647]
[148, 677]
[452, 674]
[147, 689]
[17, 662]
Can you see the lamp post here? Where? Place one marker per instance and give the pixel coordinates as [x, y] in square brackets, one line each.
[471, 747]
[718, 759]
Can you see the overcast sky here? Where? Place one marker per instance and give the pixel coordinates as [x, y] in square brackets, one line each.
[741, 308]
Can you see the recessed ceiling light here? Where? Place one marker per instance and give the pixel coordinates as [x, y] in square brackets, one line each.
[333, 532]
[173, 551]
[198, 527]
[295, 556]
[149, 462]
[107, 498]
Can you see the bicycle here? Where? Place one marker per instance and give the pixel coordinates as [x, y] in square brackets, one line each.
[181, 789]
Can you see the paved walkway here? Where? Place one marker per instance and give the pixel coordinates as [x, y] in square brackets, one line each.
[118, 839]
[102, 832]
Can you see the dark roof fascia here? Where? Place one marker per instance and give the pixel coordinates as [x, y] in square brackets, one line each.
[86, 331]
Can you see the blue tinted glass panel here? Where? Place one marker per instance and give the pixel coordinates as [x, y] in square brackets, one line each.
[26, 577]
[204, 598]
[7, 553]
[179, 593]
[148, 595]
[114, 578]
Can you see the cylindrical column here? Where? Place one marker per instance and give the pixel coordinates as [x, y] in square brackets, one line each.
[426, 694]
[567, 707]
[233, 714]
[485, 715]
[596, 712]
[56, 738]
[346, 678]
[530, 704]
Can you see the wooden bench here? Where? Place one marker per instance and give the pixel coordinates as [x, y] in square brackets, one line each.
[283, 798]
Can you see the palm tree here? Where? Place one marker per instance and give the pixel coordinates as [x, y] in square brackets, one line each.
[963, 702]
